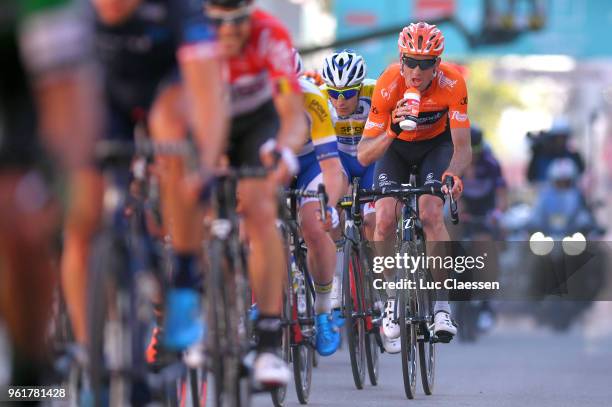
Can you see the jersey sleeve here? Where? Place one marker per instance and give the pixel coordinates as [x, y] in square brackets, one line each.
[194, 36]
[275, 47]
[383, 102]
[322, 130]
[458, 105]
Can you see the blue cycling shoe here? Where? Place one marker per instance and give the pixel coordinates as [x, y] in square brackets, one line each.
[338, 318]
[183, 323]
[328, 337]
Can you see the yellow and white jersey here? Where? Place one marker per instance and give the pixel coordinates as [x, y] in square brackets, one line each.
[322, 138]
[349, 129]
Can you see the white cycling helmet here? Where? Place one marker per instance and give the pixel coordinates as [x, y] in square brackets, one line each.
[298, 66]
[562, 169]
[343, 69]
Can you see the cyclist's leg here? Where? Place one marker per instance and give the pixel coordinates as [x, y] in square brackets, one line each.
[82, 221]
[266, 263]
[321, 258]
[169, 123]
[27, 275]
[390, 171]
[431, 209]
[86, 187]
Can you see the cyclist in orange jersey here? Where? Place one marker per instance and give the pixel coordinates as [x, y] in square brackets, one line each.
[439, 146]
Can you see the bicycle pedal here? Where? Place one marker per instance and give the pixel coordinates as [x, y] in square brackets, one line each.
[442, 338]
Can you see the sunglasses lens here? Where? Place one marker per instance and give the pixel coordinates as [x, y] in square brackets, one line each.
[234, 20]
[350, 93]
[346, 93]
[334, 94]
[410, 63]
[421, 63]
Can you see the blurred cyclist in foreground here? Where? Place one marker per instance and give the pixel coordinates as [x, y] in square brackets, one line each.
[48, 89]
[141, 46]
[268, 127]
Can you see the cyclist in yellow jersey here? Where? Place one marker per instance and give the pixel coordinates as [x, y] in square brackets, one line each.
[349, 95]
[320, 164]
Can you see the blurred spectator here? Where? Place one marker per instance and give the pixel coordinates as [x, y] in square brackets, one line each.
[49, 117]
[560, 208]
[485, 190]
[548, 146]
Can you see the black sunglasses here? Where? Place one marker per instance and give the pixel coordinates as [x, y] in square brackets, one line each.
[424, 64]
[233, 18]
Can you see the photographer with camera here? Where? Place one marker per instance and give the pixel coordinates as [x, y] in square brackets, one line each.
[547, 146]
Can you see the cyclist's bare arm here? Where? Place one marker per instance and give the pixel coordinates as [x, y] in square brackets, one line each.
[293, 132]
[371, 149]
[462, 155]
[209, 108]
[334, 179]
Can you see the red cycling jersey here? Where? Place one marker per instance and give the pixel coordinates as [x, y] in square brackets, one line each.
[444, 101]
[264, 67]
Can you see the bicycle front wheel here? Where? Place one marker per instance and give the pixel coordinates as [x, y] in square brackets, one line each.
[408, 337]
[352, 288]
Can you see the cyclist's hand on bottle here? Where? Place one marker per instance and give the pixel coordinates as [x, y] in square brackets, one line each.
[397, 115]
[401, 110]
[457, 189]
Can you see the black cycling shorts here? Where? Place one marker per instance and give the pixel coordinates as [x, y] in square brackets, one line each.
[248, 132]
[432, 158]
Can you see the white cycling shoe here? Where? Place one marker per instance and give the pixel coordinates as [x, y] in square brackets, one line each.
[270, 371]
[391, 329]
[444, 328]
[391, 345]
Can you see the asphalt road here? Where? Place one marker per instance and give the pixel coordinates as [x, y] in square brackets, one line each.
[513, 366]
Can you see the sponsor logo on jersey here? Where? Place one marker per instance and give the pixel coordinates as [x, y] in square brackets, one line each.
[385, 93]
[458, 116]
[445, 82]
[370, 124]
[316, 107]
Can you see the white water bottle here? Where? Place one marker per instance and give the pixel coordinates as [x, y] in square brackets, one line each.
[413, 102]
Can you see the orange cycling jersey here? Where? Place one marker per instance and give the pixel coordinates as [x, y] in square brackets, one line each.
[445, 101]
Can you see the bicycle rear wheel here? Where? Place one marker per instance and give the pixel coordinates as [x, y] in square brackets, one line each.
[427, 347]
[353, 313]
[372, 337]
[225, 322]
[303, 348]
[279, 394]
[108, 313]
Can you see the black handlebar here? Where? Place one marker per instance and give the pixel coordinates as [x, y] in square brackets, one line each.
[320, 194]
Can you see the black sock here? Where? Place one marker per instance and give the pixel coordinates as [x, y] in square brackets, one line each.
[186, 273]
[268, 330]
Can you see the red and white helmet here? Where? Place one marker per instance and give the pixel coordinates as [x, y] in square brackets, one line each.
[421, 39]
